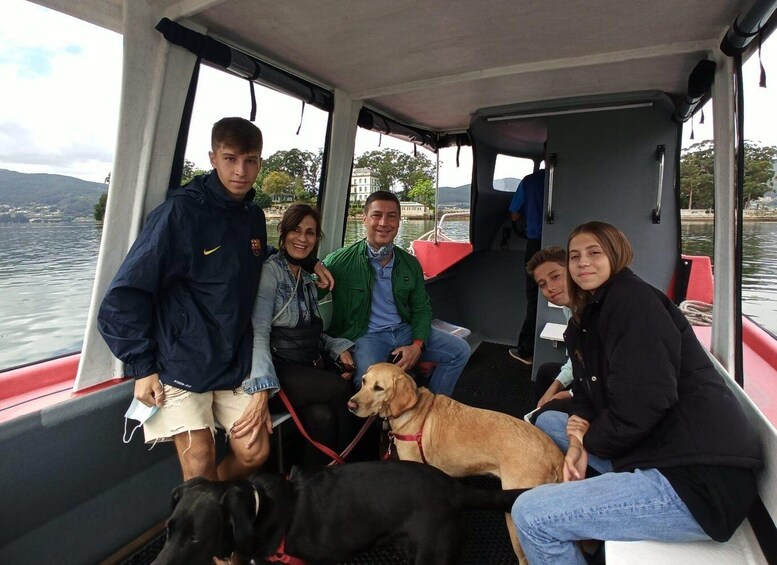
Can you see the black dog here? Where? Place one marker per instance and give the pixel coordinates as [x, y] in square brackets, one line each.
[326, 515]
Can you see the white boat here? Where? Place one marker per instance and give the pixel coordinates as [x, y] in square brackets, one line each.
[604, 85]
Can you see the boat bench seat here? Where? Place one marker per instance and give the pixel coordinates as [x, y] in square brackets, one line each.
[744, 546]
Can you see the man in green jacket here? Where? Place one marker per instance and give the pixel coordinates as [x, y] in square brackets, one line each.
[380, 302]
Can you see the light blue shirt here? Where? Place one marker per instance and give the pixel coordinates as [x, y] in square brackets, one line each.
[565, 374]
[383, 310]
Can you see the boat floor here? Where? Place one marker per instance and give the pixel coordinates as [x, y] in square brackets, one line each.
[491, 380]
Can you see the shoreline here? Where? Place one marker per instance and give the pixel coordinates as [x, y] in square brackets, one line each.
[748, 215]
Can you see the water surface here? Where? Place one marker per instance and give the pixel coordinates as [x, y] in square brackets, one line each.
[47, 272]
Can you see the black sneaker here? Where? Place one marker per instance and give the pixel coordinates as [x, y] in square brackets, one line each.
[526, 360]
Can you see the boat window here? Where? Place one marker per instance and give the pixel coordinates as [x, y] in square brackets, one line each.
[61, 80]
[509, 171]
[293, 139]
[386, 163]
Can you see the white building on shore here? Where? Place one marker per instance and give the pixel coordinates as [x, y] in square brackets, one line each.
[414, 210]
[363, 183]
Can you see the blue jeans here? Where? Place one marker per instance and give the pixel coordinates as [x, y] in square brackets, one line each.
[451, 354]
[639, 505]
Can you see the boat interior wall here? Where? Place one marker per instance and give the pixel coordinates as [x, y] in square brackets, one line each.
[526, 140]
[154, 89]
[484, 293]
[607, 169]
[77, 483]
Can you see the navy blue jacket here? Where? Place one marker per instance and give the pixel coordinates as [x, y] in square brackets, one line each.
[180, 304]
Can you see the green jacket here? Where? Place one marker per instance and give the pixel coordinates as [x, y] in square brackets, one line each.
[352, 296]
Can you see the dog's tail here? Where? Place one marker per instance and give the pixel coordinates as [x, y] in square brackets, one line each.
[501, 500]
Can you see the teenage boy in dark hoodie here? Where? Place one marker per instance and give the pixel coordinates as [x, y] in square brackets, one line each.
[178, 312]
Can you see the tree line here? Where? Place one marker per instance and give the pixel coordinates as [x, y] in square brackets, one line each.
[295, 175]
[697, 174]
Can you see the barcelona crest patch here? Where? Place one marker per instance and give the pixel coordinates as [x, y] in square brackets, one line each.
[256, 246]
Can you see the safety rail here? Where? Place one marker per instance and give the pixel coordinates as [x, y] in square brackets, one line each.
[439, 232]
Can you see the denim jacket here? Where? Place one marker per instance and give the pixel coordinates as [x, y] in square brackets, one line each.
[277, 305]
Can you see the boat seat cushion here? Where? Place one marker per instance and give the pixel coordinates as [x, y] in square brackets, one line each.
[742, 548]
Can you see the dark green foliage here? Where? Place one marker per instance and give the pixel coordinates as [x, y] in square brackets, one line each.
[99, 208]
[303, 167]
[396, 170]
[189, 171]
[697, 174]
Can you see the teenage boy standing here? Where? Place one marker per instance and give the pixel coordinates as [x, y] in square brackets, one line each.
[178, 312]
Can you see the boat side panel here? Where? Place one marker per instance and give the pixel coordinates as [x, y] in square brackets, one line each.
[72, 492]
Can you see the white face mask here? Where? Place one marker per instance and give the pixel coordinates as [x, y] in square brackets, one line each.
[137, 411]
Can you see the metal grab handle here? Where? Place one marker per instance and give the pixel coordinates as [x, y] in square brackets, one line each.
[660, 156]
[551, 170]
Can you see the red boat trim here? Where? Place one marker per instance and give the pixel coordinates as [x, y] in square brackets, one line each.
[41, 385]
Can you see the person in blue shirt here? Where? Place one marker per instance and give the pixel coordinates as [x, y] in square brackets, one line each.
[380, 302]
[527, 204]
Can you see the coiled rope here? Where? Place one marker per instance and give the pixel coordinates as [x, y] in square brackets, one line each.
[697, 312]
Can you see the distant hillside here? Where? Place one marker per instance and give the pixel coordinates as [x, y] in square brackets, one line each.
[75, 197]
[72, 196]
[459, 195]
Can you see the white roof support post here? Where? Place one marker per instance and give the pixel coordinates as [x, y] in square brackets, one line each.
[723, 334]
[155, 80]
[342, 141]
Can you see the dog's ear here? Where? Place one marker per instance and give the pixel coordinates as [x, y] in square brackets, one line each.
[177, 494]
[239, 506]
[404, 395]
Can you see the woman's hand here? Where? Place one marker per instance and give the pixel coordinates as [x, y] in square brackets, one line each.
[325, 278]
[577, 427]
[254, 417]
[346, 360]
[575, 462]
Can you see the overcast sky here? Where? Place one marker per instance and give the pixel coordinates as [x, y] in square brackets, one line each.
[60, 80]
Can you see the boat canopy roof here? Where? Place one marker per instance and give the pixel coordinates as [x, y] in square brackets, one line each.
[433, 63]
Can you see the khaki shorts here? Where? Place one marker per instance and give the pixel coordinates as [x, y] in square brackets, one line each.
[185, 411]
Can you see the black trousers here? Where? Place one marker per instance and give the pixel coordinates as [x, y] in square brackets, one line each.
[320, 399]
[529, 327]
[546, 374]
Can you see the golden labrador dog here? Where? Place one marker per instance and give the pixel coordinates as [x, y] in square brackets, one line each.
[456, 438]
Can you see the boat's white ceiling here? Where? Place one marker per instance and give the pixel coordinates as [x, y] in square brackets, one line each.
[434, 62]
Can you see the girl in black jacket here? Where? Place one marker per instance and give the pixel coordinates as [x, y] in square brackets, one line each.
[650, 413]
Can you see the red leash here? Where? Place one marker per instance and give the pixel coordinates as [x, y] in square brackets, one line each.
[282, 557]
[336, 458]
